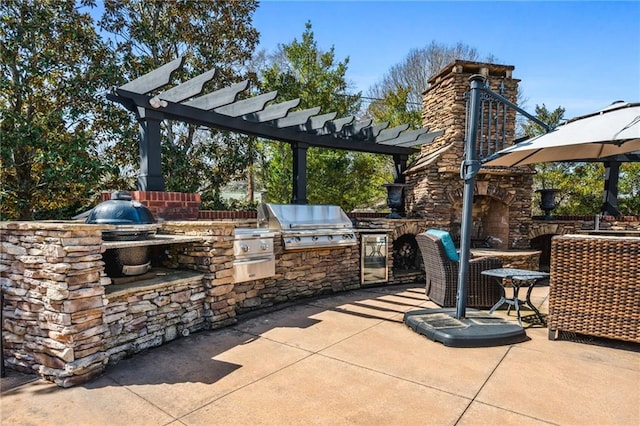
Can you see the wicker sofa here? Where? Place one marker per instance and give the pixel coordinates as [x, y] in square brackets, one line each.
[594, 287]
[441, 275]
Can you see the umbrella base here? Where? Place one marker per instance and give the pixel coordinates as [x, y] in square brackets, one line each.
[478, 329]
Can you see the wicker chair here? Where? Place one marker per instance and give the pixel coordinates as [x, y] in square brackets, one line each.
[442, 276]
[595, 287]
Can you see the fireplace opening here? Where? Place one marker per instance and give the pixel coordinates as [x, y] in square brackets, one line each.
[407, 258]
[490, 223]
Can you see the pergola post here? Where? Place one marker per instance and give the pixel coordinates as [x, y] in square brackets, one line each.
[150, 177]
[610, 194]
[299, 195]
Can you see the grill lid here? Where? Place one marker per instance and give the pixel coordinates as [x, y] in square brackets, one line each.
[292, 217]
[308, 226]
[133, 221]
[121, 210]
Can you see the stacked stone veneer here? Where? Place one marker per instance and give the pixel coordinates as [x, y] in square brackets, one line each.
[66, 320]
[435, 187]
[54, 290]
[301, 274]
[138, 318]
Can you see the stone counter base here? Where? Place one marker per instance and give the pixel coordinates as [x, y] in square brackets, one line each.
[66, 320]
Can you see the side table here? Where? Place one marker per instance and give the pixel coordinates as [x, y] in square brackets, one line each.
[519, 278]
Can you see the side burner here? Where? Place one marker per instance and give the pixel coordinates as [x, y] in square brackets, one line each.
[253, 254]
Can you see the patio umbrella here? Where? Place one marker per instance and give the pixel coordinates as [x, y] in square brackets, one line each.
[612, 131]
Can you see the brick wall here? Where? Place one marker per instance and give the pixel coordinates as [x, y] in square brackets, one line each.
[170, 205]
[166, 205]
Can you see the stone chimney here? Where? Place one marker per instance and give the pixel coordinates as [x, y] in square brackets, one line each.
[502, 201]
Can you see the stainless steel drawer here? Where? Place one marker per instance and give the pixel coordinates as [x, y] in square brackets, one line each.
[253, 268]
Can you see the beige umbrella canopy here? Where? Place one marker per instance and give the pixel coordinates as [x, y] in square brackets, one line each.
[612, 131]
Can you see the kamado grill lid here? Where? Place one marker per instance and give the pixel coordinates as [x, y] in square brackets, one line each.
[121, 210]
[132, 220]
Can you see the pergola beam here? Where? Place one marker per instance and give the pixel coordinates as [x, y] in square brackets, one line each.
[296, 118]
[273, 112]
[253, 116]
[247, 106]
[188, 89]
[155, 79]
[219, 97]
[214, 119]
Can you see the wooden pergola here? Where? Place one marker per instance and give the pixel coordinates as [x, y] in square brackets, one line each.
[257, 116]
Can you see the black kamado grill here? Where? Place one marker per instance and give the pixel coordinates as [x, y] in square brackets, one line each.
[133, 222]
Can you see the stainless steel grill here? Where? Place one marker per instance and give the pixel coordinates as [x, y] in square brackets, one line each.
[308, 226]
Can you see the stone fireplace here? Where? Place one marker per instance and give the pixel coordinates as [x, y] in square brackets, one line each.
[502, 199]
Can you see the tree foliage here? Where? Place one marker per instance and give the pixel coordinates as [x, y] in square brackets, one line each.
[393, 109]
[548, 175]
[211, 34]
[53, 65]
[302, 70]
[629, 189]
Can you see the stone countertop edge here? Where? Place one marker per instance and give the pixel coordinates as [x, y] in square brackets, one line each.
[160, 281]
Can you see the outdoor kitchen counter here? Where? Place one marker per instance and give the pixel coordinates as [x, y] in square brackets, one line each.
[156, 241]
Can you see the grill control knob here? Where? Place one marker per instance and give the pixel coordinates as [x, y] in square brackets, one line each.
[244, 248]
[264, 246]
[330, 237]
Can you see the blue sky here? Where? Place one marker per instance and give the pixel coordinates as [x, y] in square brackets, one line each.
[580, 55]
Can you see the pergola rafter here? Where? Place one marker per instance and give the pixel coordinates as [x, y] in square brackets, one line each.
[255, 116]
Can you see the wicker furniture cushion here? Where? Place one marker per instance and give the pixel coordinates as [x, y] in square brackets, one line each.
[447, 243]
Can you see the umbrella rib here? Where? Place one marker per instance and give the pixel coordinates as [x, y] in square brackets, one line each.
[634, 121]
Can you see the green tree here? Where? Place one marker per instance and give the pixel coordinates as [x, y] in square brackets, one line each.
[53, 65]
[211, 34]
[548, 175]
[629, 189]
[302, 70]
[393, 108]
[558, 175]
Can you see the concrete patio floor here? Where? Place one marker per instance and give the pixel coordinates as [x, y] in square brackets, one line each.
[346, 359]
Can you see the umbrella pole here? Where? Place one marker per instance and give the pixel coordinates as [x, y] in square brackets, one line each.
[451, 326]
[469, 170]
